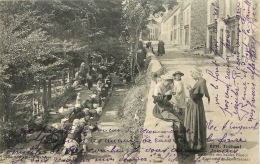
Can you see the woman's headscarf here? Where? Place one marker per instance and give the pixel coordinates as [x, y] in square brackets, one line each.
[197, 70]
[200, 86]
[82, 64]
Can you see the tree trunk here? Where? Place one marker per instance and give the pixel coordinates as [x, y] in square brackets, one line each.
[33, 101]
[49, 93]
[63, 77]
[6, 111]
[132, 64]
[44, 96]
[87, 63]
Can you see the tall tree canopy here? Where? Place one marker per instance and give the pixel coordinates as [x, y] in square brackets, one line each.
[49, 35]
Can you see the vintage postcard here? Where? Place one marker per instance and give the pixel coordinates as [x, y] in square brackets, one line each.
[129, 81]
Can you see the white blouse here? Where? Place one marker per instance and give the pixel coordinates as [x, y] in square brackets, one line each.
[180, 97]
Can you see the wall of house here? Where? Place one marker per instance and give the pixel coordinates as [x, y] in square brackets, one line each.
[227, 33]
[154, 32]
[212, 16]
[159, 33]
[166, 31]
[186, 29]
[176, 28]
[198, 25]
[163, 31]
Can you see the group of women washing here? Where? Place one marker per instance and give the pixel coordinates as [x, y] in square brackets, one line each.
[82, 121]
[186, 113]
[85, 115]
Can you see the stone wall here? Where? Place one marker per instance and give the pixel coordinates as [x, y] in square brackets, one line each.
[147, 150]
[198, 23]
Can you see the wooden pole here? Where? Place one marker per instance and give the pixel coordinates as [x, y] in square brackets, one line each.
[68, 78]
[38, 88]
[132, 63]
[63, 77]
[44, 95]
[49, 93]
[34, 87]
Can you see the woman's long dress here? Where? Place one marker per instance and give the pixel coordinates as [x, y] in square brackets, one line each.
[89, 81]
[161, 49]
[195, 119]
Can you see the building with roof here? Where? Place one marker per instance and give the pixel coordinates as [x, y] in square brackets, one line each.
[154, 31]
[176, 33]
[194, 23]
[222, 20]
[225, 27]
[185, 26]
[168, 25]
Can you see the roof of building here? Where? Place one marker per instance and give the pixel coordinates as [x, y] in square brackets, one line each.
[170, 13]
[155, 25]
[185, 4]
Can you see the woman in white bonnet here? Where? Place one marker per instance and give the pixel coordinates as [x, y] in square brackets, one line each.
[195, 118]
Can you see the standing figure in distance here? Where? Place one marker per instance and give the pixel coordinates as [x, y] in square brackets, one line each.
[161, 49]
[89, 80]
[82, 74]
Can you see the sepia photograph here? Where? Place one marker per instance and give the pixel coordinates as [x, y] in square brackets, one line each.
[129, 81]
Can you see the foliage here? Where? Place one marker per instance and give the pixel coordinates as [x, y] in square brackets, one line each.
[44, 37]
[47, 36]
[137, 14]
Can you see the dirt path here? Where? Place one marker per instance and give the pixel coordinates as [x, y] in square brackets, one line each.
[101, 148]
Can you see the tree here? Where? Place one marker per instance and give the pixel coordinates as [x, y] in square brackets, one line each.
[47, 36]
[137, 14]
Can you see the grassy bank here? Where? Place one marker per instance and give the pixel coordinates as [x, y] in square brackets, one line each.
[131, 114]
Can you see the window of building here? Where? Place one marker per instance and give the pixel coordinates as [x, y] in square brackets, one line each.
[175, 20]
[175, 33]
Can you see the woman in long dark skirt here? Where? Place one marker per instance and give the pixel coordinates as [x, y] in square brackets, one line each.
[161, 49]
[82, 74]
[195, 119]
[89, 80]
